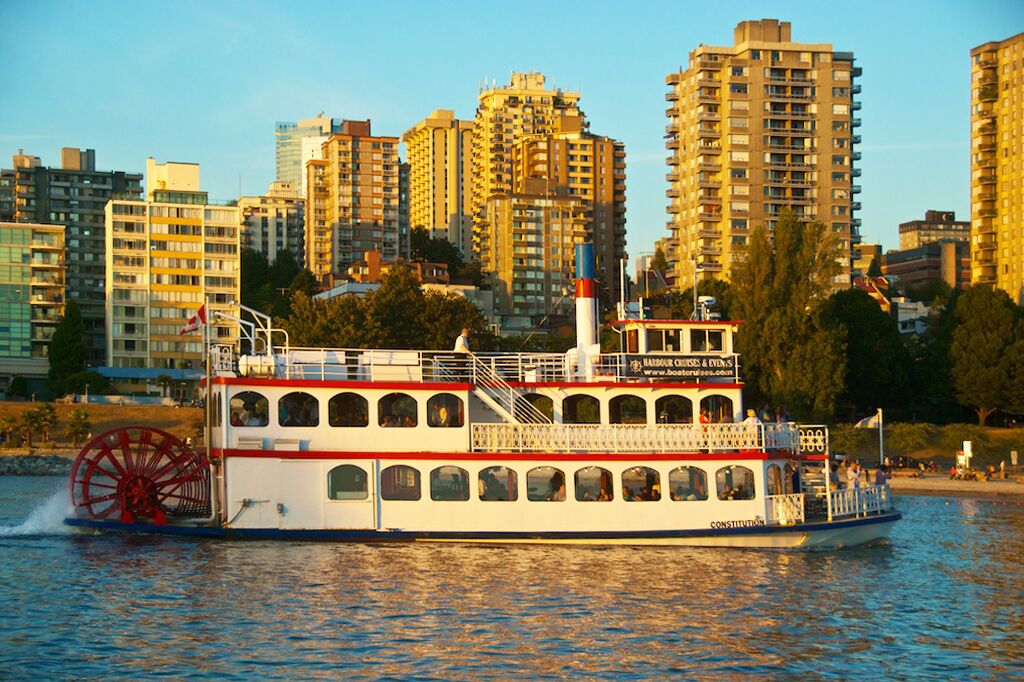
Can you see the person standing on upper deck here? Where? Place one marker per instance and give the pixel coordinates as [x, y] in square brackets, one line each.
[462, 342]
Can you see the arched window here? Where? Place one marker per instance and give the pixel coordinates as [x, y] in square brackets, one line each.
[594, 484]
[397, 410]
[686, 484]
[346, 482]
[719, 408]
[545, 484]
[735, 483]
[400, 482]
[791, 478]
[641, 484]
[445, 410]
[449, 484]
[774, 479]
[673, 409]
[298, 409]
[348, 409]
[498, 484]
[542, 403]
[581, 409]
[627, 409]
[249, 408]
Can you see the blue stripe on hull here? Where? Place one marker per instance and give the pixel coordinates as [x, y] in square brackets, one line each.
[370, 535]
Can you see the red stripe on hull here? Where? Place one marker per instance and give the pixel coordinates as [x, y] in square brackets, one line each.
[754, 455]
[341, 383]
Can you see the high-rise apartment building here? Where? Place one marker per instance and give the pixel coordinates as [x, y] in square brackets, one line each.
[31, 296]
[570, 162]
[765, 125]
[167, 256]
[440, 176]
[947, 260]
[997, 165]
[504, 114]
[352, 200]
[296, 142]
[274, 222]
[72, 195]
[936, 226]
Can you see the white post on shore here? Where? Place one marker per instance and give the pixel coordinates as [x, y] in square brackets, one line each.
[881, 447]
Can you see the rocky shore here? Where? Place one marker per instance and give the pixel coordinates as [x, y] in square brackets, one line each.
[35, 465]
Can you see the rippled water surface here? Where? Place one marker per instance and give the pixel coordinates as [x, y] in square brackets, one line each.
[944, 599]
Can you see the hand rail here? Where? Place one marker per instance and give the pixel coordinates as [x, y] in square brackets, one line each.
[786, 509]
[517, 409]
[863, 501]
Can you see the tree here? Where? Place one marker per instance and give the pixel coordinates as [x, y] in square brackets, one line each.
[680, 304]
[94, 381]
[445, 315]
[47, 419]
[954, 435]
[305, 281]
[423, 247]
[987, 353]
[905, 438]
[394, 312]
[8, 427]
[779, 284]
[30, 421]
[255, 272]
[877, 361]
[875, 269]
[67, 350]
[78, 426]
[847, 439]
[284, 269]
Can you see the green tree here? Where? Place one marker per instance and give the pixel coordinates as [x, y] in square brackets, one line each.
[877, 361]
[18, 387]
[906, 439]
[780, 283]
[67, 351]
[445, 315]
[659, 263]
[78, 426]
[423, 247]
[394, 312]
[8, 427]
[47, 419]
[284, 269]
[336, 323]
[30, 421]
[96, 383]
[255, 273]
[847, 439]
[305, 281]
[680, 303]
[875, 269]
[954, 435]
[987, 353]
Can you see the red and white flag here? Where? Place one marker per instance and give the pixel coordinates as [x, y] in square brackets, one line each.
[195, 322]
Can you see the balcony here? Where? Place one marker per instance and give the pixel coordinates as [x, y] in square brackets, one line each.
[855, 89]
[987, 213]
[673, 78]
[713, 217]
[855, 189]
[672, 143]
[987, 179]
[672, 95]
[988, 93]
[855, 122]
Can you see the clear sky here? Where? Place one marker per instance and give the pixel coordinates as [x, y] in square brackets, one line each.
[205, 81]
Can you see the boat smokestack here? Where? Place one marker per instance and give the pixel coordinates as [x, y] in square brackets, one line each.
[586, 298]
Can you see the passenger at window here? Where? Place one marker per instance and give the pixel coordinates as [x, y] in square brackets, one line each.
[606, 487]
[557, 487]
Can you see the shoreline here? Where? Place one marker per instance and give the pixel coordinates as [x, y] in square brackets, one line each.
[937, 485]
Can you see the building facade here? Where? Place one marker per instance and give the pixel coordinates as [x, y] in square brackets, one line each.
[765, 125]
[296, 142]
[997, 165]
[352, 200]
[165, 259]
[72, 195]
[504, 114]
[947, 260]
[440, 174]
[274, 222]
[32, 296]
[936, 226]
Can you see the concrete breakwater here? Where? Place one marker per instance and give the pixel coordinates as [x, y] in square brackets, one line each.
[35, 465]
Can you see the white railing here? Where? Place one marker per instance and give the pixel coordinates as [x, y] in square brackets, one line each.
[786, 509]
[872, 499]
[487, 384]
[616, 438]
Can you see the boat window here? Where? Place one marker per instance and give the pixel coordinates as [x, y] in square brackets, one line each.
[445, 410]
[581, 409]
[542, 403]
[298, 409]
[706, 341]
[498, 484]
[346, 482]
[719, 408]
[545, 484]
[686, 484]
[673, 409]
[655, 339]
[400, 482]
[735, 483]
[348, 409]
[396, 410]
[672, 342]
[449, 484]
[594, 484]
[791, 478]
[641, 484]
[774, 480]
[632, 346]
[249, 408]
[627, 409]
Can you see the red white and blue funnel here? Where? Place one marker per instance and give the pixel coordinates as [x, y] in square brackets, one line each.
[586, 299]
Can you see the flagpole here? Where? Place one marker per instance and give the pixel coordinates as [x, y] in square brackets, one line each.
[881, 451]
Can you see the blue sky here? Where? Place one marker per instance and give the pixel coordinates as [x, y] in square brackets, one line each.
[205, 81]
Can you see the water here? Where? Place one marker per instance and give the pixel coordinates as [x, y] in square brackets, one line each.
[944, 599]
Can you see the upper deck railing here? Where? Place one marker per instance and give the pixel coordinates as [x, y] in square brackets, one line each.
[361, 364]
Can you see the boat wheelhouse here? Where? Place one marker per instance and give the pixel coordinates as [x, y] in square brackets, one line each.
[648, 445]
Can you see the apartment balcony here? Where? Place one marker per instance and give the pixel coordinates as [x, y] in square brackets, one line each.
[987, 147]
[987, 213]
[673, 78]
[673, 127]
[855, 206]
[709, 167]
[672, 160]
[855, 189]
[986, 162]
[672, 143]
[788, 97]
[987, 129]
[673, 207]
[988, 93]
[985, 197]
[713, 64]
[709, 116]
[985, 245]
[672, 193]
[703, 131]
[672, 95]
[986, 110]
[709, 148]
[709, 183]
[708, 98]
[790, 148]
[855, 106]
[855, 156]
[710, 216]
[987, 179]
[855, 122]
[855, 172]
[710, 251]
[705, 233]
[855, 89]
[672, 176]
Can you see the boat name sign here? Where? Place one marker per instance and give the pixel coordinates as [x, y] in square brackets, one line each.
[680, 366]
[742, 523]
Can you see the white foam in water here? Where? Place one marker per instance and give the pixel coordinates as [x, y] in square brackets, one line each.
[46, 519]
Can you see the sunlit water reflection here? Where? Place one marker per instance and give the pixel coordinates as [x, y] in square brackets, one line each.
[944, 599]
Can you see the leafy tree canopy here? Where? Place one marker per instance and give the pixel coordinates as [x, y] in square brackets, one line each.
[434, 249]
[67, 349]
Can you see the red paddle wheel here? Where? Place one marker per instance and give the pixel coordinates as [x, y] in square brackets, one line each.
[137, 473]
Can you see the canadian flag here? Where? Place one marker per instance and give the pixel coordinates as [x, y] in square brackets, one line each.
[194, 322]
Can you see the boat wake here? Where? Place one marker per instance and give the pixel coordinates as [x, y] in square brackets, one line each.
[45, 519]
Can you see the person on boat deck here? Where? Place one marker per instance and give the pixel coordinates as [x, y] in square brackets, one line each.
[853, 475]
[833, 478]
[557, 487]
[462, 342]
[705, 416]
[752, 417]
[882, 475]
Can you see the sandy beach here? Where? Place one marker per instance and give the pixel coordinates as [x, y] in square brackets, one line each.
[937, 484]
